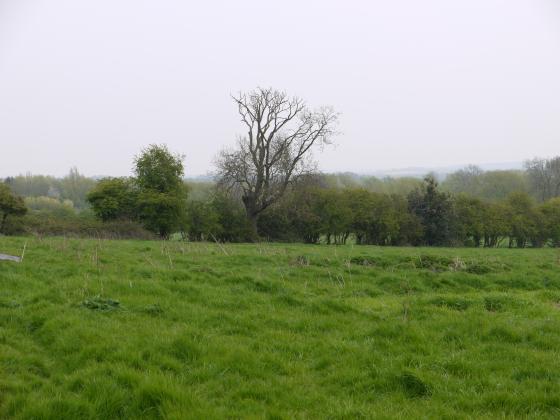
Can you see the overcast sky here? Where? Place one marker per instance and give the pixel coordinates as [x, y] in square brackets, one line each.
[88, 83]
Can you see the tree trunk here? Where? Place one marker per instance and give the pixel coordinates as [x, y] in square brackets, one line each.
[253, 227]
[250, 204]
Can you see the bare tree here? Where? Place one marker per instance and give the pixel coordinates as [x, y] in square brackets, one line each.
[281, 132]
[544, 175]
[466, 180]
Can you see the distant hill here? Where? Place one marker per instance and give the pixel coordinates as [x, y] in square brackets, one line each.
[410, 172]
[443, 171]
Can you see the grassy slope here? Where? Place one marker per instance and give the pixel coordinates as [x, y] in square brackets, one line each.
[277, 331]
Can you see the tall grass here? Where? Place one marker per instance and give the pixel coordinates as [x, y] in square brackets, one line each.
[140, 329]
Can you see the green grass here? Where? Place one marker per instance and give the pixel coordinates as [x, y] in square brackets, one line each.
[107, 329]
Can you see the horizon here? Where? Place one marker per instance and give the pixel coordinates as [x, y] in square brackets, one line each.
[412, 172]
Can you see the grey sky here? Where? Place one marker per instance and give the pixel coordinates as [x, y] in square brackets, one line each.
[418, 83]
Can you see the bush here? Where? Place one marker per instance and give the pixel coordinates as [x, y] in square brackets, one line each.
[78, 225]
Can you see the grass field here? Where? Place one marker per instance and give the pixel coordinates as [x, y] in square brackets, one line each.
[107, 329]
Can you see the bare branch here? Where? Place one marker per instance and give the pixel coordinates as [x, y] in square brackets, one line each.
[281, 133]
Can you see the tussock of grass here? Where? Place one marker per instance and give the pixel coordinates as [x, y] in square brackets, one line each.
[153, 309]
[102, 329]
[101, 304]
[452, 302]
[413, 386]
[497, 303]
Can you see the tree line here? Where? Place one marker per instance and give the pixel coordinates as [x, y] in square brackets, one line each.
[266, 187]
[71, 189]
[428, 216]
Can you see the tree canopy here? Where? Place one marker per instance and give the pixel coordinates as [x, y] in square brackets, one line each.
[10, 205]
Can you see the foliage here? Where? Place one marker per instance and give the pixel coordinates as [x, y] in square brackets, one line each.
[433, 209]
[312, 213]
[386, 185]
[274, 224]
[73, 187]
[523, 217]
[468, 220]
[486, 185]
[304, 214]
[497, 223]
[162, 213]
[50, 205]
[489, 209]
[335, 215]
[10, 205]
[231, 219]
[157, 169]
[202, 221]
[156, 196]
[83, 224]
[114, 199]
[161, 200]
[551, 216]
